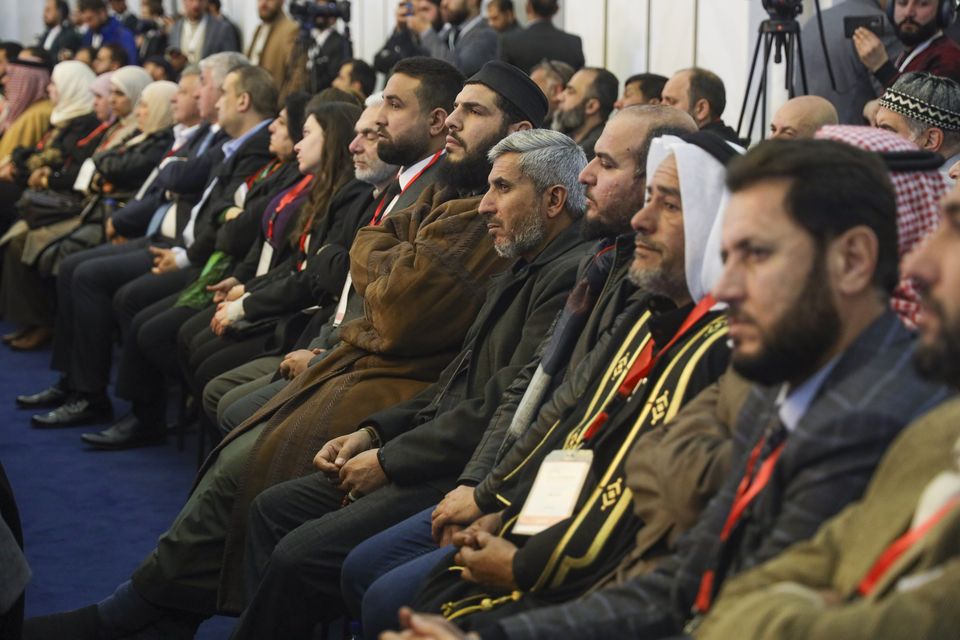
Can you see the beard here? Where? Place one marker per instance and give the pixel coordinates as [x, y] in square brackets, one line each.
[527, 235]
[570, 120]
[794, 347]
[939, 360]
[377, 172]
[613, 221]
[659, 280]
[469, 175]
[405, 151]
[922, 34]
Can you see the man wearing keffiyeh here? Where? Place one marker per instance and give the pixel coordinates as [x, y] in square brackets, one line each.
[919, 188]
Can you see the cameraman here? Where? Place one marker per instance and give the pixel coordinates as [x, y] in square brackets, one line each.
[321, 46]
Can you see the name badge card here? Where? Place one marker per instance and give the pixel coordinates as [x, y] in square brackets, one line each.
[555, 491]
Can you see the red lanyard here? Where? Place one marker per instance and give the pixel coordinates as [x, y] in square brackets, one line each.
[750, 487]
[93, 134]
[378, 214]
[900, 546]
[644, 364]
[285, 201]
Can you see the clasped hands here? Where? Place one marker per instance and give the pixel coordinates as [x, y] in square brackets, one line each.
[350, 463]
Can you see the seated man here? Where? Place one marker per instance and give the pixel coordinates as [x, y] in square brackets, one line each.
[700, 93]
[662, 355]
[642, 88]
[429, 257]
[585, 105]
[888, 565]
[405, 457]
[924, 109]
[801, 117]
[833, 355]
[616, 188]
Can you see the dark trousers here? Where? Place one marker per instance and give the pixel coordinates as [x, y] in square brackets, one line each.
[11, 621]
[149, 355]
[204, 355]
[83, 337]
[385, 572]
[297, 540]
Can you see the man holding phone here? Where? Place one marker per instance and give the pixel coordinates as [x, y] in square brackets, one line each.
[919, 25]
[854, 84]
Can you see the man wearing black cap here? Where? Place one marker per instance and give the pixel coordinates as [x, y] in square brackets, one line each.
[405, 458]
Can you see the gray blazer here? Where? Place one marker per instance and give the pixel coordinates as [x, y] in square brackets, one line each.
[475, 48]
[219, 36]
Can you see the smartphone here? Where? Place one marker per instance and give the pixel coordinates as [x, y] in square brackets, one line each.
[852, 23]
[409, 6]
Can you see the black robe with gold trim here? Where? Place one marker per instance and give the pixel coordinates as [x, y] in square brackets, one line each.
[564, 560]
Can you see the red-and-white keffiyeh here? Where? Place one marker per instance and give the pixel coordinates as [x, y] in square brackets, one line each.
[24, 86]
[918, 201]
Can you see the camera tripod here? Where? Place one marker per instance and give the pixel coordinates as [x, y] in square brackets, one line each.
[779, 36]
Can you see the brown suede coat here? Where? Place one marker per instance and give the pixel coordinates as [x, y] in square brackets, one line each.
[423, 276]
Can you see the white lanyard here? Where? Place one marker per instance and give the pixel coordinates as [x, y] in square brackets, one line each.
[920, 49]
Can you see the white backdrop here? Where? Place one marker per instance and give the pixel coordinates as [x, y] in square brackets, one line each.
[626, 36]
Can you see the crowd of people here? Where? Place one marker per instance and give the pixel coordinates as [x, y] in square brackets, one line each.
[508, 349]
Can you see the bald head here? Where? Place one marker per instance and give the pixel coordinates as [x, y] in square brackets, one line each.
[650, 121]
[800, 118]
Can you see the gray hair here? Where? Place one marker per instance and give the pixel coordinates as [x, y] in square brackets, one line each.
[220, 64]
[548, 158]
[940, 93]
[373, 100]
[190, 70]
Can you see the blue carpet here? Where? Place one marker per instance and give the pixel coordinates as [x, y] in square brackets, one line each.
[89, 517]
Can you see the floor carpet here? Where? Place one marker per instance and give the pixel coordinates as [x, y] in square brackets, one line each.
[89, 516]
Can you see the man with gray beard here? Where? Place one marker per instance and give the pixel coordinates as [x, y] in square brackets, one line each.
[586, 103]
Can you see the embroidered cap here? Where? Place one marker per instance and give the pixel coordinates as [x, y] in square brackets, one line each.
[930, 99]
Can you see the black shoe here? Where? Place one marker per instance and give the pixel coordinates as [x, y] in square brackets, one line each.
[126, 433]
[76, 410]
[51, 397]
[79, 624]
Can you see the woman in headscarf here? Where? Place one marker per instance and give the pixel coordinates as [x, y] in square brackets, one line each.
[73, 119]
[28, 113]
[119, 171]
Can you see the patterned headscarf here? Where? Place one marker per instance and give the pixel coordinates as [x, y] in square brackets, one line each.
[919, 192]
[25, 85]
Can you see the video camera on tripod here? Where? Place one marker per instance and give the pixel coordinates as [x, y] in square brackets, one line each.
[780, 35]
[308, 13]
[322, 60]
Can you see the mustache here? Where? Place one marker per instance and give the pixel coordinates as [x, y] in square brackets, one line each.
[736, 314]
[650, 246]
[455, 136]
[909, 21]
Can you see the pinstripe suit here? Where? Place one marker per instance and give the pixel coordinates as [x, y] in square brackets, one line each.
[868, 398]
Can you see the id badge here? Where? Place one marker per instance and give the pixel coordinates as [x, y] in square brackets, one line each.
[555, 490]
[85, 176]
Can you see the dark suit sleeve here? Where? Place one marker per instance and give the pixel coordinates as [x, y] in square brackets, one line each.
[253, 156]
[323, 278]
[132, 220]
[129, 169]
[442, 446]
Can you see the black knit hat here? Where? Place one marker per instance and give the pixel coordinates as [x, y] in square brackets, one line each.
[514, 86]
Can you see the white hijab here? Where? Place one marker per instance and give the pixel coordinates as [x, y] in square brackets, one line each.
[704, 195]
[72, 80]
